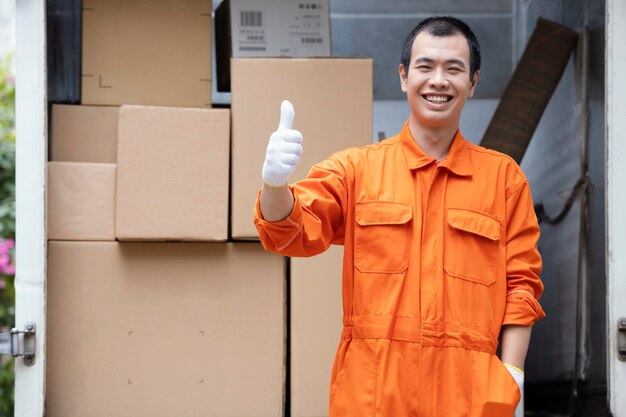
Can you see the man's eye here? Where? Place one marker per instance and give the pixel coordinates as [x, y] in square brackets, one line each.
[453, 69]
[423, 67]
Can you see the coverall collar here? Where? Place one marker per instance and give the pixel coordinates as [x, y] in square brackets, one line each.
[458, 159]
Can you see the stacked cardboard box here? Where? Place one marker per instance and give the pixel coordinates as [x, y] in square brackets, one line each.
[167, 328]
[81, 201]
[332, 98]
[316, 324]
[153, 329]
[164, 329]
[84, 134]
[172, 173]
[172, 181]
[154, 52]
[269, 28]
[150, 53]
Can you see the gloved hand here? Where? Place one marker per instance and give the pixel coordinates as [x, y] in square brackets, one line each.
[518, 375]
[284, 149]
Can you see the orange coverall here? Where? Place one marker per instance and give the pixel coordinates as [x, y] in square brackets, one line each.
[437, 257]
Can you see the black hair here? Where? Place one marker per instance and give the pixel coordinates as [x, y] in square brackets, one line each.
[443, 26]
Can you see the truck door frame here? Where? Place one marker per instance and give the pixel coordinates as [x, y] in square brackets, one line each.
[615, 198]
[30, 200]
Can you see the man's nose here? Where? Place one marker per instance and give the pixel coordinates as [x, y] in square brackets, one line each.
[438, 80]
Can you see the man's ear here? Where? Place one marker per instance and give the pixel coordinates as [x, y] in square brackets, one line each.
[403, 77]
[473, 83]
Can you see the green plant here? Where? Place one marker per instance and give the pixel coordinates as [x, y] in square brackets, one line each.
[7, 150]
[7, 226]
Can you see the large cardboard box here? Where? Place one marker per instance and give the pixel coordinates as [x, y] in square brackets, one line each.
[269, 28]
[81, 201]
[172, 178]
[154, 52]
[332, 98]
[316, 323]
[84, 133]
[164, 329]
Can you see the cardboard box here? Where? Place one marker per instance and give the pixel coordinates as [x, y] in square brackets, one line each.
[172, 178]
[153, 52]
[332, 98]
[164, 329]
[316, 324]
[269, 28]
[84, 133]
[81, 201]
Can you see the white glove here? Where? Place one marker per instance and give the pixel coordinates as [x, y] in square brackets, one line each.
[517, 375]
[283, 150]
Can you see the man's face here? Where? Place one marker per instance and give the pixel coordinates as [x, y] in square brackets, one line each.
[437, 81]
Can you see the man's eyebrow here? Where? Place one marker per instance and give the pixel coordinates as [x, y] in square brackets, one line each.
[424, 59]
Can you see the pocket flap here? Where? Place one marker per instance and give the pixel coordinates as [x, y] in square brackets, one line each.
[474, 222]
[382, 212]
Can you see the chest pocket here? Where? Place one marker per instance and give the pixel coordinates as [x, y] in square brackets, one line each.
[382, 236]
[472, 246]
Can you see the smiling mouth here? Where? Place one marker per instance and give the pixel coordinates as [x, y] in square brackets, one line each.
[437, 99]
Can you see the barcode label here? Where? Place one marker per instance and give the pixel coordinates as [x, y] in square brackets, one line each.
[311, 40]
[252, 19]
[310, 6]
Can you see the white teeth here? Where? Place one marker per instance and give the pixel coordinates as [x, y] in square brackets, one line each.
[437, 99]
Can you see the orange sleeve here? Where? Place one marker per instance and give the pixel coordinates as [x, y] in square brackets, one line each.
[523, 261]
[317, 218]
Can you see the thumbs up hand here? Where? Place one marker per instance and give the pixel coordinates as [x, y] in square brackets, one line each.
[284, 149]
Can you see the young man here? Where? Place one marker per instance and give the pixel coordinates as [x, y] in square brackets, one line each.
[440, 256]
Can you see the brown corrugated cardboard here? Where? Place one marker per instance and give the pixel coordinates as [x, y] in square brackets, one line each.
[84, 133]
[164, 329]
[269, 28]
[81, 201]
[153, 52]
[316, 322]
[333, 102]
[172, 178]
